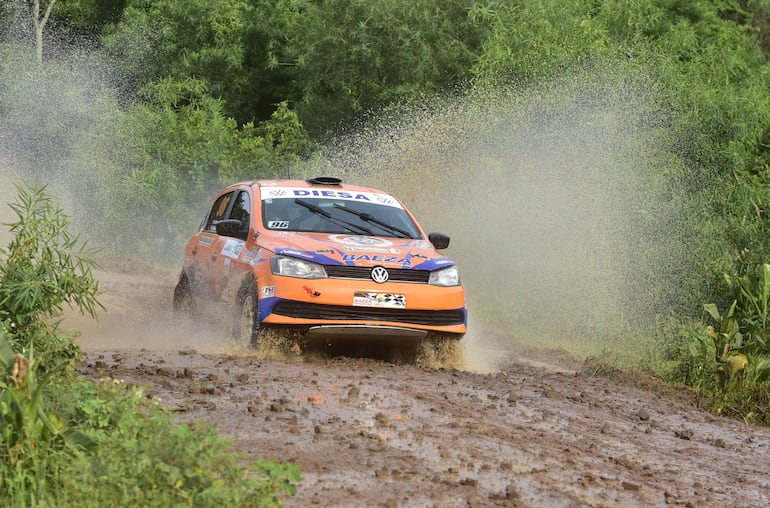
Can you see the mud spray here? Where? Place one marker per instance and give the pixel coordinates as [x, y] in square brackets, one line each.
[553, 195]
[562, 220]
[48, 116]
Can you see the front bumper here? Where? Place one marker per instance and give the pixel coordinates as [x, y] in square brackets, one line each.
[305, 303]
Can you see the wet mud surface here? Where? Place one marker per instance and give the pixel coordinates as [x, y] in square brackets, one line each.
[366, 432]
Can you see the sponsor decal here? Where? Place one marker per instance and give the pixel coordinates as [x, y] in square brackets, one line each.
[205, 241]
[260, 258]
[332, 194]
[360, 241]
[250, 255]
[232, 248]
[376, 258]
[325, 251]
[387, 300]
[268, 291]
[349, 248]
[310, 291]
[294, 192]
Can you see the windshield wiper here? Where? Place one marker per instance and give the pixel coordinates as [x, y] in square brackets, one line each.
[369, 218]
[337, 222]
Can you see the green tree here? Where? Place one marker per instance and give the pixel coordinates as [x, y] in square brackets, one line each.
[348, 56]
[528, 41]
[89, 14]
[155, 165]
[712, 82]
[221, 42]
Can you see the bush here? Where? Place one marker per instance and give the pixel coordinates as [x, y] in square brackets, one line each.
[43, 269]
[728, 361]
[30, 438]
[110, 446]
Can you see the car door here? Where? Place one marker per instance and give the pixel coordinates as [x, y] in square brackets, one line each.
[209, 245]
[227, 271]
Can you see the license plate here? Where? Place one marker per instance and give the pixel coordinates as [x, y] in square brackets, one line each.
[387, 300]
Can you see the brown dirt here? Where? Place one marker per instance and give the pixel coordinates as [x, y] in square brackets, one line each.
[370, 433]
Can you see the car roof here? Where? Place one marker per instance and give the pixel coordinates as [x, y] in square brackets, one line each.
[317, 182]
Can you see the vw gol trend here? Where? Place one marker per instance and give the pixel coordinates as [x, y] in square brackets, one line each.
[324, 259]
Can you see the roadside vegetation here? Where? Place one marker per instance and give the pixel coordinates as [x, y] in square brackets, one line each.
[140, 109]
[67, 441]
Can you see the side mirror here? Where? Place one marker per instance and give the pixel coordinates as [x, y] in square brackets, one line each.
[230, 227]
[438, 240]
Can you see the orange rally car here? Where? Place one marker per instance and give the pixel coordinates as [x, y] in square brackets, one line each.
[322, 258]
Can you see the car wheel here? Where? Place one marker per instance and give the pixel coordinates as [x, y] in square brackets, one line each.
[183, 299]
[247, 326]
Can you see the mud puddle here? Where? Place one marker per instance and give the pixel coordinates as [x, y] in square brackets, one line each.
[369, 433]
[539, 431]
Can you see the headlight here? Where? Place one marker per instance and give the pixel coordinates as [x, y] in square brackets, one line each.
[445, 277]
[293, 267]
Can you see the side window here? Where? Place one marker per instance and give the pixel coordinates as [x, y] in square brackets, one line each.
[242, 211]
[218, 212]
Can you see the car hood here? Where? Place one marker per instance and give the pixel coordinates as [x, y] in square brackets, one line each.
[353, 250]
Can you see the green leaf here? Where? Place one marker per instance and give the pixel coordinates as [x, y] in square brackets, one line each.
[6, 351]
[712, 309]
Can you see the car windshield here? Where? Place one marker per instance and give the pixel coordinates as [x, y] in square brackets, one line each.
[337, 216]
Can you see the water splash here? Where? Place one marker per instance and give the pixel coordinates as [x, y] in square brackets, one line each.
[556, 197]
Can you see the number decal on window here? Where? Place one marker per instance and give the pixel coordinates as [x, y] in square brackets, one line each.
[278, 224]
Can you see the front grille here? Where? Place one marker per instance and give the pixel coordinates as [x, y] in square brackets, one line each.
[304, 310]
[364, 272]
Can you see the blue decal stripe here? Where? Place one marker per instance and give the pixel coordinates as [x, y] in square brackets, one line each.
[434, 264]
[266, 306]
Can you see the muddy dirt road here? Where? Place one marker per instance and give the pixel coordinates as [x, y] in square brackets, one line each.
[370, 433]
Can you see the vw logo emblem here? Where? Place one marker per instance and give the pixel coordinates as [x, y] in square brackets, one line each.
[379, 274]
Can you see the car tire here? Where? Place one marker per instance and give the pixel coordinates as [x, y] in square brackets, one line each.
[247, 323]
[184, 305]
